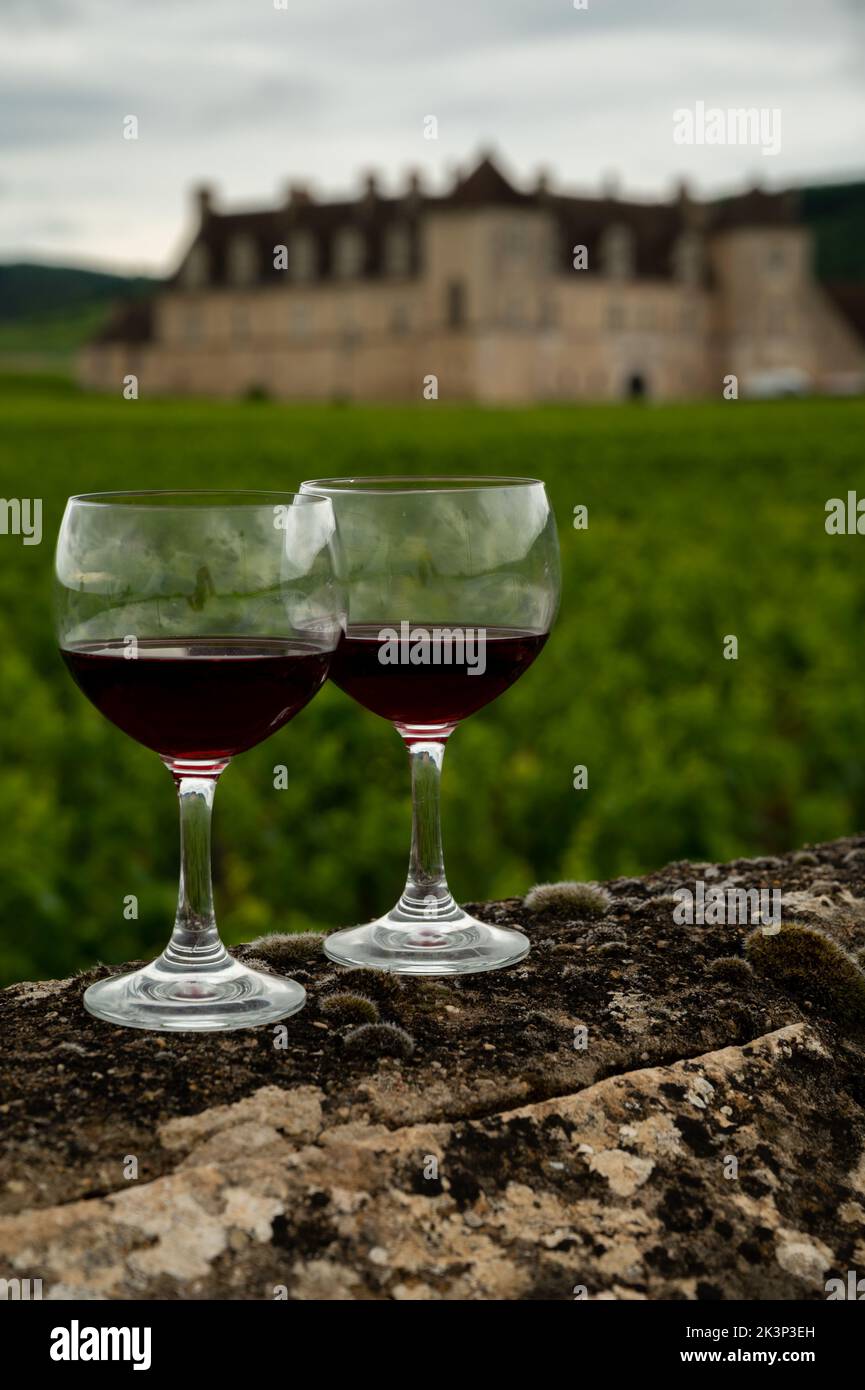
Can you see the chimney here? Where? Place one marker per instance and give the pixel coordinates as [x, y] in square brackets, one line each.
[203, 198]
[542, 183]
[298, 195]
[693, 213]
[611, 187]
[414, 186]
[370, 186]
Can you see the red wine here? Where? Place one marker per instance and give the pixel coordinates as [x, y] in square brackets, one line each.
[199, 697]
[438, 682]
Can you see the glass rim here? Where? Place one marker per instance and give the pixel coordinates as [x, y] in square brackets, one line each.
[402, 484]
[214, 498]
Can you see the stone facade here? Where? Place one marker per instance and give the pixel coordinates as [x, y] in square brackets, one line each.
[478, 289]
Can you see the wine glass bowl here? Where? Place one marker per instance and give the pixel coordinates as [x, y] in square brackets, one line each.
[452, 586]
[199, 623]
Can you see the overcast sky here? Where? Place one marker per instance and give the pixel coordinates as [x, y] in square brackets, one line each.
[247, 96]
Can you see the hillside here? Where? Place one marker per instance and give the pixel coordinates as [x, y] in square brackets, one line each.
[836, 215]
[50, 309]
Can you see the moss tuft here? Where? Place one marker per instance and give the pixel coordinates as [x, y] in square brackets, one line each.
[257, 963]
[665, 902]
[612, 947]
[350, 1008]
[381, 985]
[732, 969]
[568, 899]
[379, 1040]
[283, 949]
[811, 966]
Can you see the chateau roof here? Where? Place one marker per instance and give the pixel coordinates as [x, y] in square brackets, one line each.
[486, 184]
[655, 227]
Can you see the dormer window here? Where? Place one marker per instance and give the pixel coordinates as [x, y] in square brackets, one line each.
[196, 268]
[397, 250]
[348, 254]
[242, 262]
[688, 259]
[302, 261]
[617, 252]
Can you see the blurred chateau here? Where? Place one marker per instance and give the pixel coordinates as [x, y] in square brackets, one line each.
[478, 288]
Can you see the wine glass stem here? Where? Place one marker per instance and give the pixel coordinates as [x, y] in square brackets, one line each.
[426, 896]
[195, 940]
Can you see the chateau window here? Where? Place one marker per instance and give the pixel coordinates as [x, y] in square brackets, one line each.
[301, 256]
[348, 254]
[688, 259]
[777, 321]
[511, 242]
[400, 320]
[397, 250]
[455, 304]
[192, 326]
[196, 268]
[777, 258]
[299, 321]
[513, 315]
[615, 317]
[617, 252]
[242, 261]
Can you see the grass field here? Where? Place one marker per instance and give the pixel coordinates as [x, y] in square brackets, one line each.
[704, 521]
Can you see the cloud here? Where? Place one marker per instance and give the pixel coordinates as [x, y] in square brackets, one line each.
[248, 96]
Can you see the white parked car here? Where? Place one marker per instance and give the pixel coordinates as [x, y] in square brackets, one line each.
[777, 383]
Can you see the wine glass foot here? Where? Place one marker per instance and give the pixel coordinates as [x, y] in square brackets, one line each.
[192, 1000]
[459, 946]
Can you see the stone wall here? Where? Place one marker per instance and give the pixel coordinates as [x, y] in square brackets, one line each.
[702, 1138]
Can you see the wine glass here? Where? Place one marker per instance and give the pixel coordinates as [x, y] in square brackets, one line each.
[199, 623]
[452, 585]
